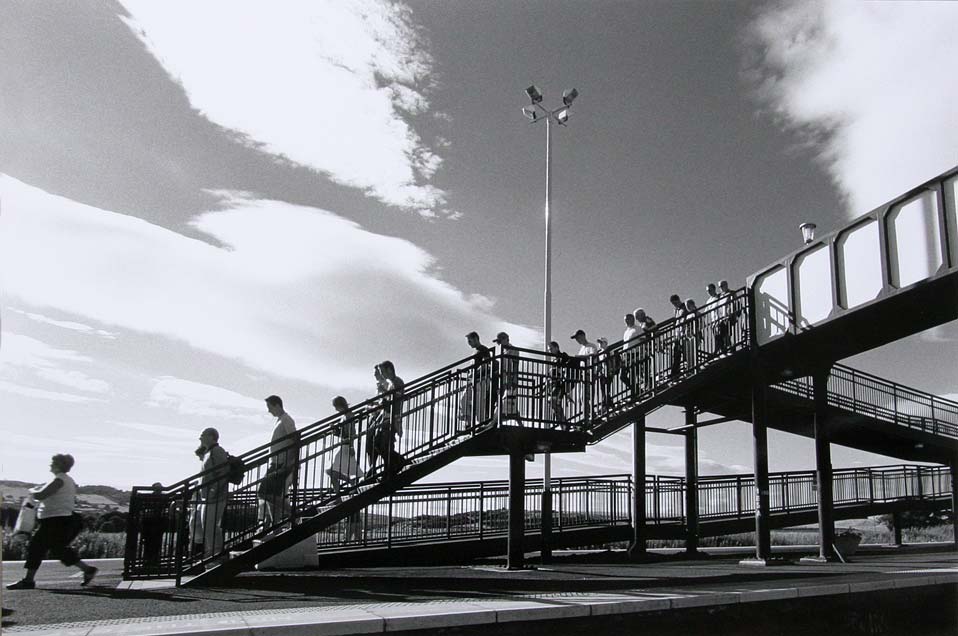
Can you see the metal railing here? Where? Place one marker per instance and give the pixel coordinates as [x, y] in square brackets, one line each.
[434, 513]
[436, 412]
[732, 497]
[859, 392]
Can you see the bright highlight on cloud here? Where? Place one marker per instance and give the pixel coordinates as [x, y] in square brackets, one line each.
[870, 84]
[330, 85]
[298, 292]
[195, 398]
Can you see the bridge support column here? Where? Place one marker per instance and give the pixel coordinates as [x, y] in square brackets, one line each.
[515, 559]
[545, 539]
[763, 535]
[637, 550]
[691, 484]
[954, 501]
[896, 522]
[823, 469]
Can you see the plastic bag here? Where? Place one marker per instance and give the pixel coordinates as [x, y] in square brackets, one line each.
[27, 519]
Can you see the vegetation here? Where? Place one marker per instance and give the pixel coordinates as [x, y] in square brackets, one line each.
[89, 545]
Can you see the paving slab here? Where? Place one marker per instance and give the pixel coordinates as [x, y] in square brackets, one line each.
[377, 600]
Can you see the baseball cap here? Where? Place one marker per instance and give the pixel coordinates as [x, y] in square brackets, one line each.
[502, 335]
[578, 332]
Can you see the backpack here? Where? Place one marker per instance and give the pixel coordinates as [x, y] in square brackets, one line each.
[236, 469]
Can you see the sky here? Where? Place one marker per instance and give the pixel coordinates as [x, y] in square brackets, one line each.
[205, 203]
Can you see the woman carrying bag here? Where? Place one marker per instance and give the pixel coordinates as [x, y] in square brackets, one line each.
[57, 525]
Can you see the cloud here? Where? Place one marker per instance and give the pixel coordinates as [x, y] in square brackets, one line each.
[55, 396]
[195, 398]
[22, 356]
[65, 324]
[294, 291]
[330, 85]
[867, 85]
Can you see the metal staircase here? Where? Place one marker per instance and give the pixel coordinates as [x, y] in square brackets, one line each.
[474, 408]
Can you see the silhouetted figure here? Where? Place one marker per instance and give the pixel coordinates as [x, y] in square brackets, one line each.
[678, 346]
[283, 452]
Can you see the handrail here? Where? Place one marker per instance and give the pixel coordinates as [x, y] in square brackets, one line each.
[437, 411]
[477, 509]
[860, 392]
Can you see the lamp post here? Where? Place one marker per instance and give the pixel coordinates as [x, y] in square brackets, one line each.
[535, 113]
[808, 232]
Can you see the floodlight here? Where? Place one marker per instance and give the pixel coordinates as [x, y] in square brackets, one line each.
[569, 95]
[534, 95]
[808, 232]
[530, 113]
[562, 116]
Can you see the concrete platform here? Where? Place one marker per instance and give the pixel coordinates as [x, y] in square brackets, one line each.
[592, 587]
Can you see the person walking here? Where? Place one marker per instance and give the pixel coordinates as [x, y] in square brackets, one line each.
[692, 332]
[646, 350]
[57, 525]
[678, 344]
[585, 360]
[214, 492]
[710, 320]
[556, 386]
[345, 467]
[392, 431]
[607, 366]
[628, 371]
[281, 469]
[474, 404]
[507, 379]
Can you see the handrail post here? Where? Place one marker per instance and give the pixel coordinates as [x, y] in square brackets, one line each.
[482, 507]
[389, 522]
[181, 537]
[449, 512]
[738, 495]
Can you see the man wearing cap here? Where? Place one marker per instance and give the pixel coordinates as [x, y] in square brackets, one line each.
[586, 351]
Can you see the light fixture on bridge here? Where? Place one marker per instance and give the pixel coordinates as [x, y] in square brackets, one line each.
[562, 116]
[530, 113]
[569, 95]
[535, 96]
[808, 232]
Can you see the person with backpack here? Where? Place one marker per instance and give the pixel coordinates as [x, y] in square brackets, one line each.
[214, 491]
[58, 525]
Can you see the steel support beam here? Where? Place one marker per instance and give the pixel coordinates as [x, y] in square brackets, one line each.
[823, 468]
[763, 536]
[637, 550]
[954, 500]
[691, 483]
[517, 513]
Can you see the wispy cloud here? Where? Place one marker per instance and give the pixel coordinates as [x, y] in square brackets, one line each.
[297, 292]
[65, 324]
[24, 360]
[330, 85]
[55, 396]
[195, 398]
[867, 84]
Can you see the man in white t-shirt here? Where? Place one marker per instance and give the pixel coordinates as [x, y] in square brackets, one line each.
[585, 359]
[628, 371]
[281, 469]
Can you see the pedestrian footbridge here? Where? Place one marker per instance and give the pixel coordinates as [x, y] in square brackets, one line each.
[766, 354]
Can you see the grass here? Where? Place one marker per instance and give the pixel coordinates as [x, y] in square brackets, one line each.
[89, 545]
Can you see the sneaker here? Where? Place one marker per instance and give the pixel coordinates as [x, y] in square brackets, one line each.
[22, 584]
[88, 576]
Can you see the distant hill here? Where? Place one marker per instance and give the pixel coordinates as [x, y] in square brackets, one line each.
[89, 498]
